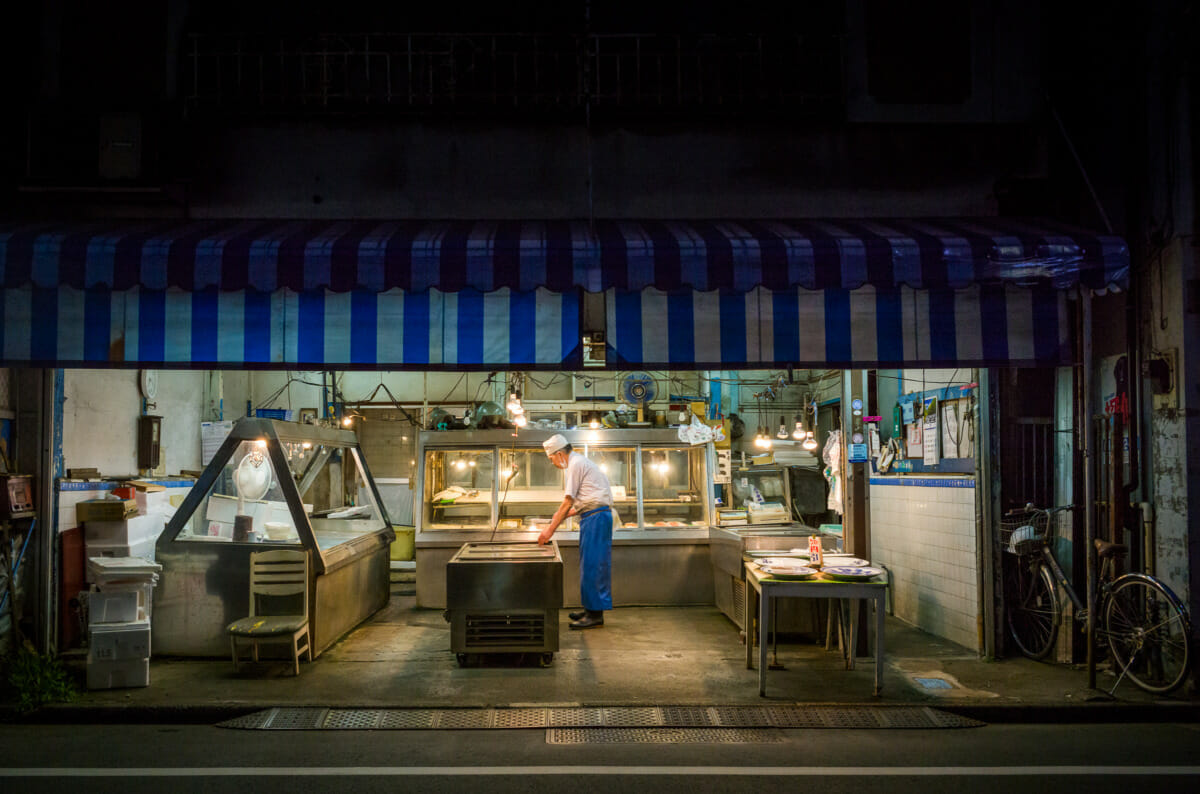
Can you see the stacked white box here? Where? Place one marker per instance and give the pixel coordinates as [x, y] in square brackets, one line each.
[115, 642]
[119, 621]
[118, 674]
[128, 532]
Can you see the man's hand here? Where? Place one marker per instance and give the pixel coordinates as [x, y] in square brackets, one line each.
[544, 538]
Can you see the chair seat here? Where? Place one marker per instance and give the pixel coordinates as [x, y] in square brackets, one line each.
[267, 625]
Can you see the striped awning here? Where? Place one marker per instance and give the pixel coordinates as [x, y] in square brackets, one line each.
[734, 255]
[509, 294]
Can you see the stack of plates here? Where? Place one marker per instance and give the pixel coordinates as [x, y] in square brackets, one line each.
[786, 568]
[851, 573]
[838, 558]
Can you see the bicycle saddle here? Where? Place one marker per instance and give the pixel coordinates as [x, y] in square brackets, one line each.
[1106, 549]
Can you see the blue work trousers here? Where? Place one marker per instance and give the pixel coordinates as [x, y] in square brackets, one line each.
[595, 559]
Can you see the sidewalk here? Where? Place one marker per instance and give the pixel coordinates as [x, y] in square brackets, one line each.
[643, 656]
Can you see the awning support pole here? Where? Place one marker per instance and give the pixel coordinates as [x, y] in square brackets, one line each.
[1089, 477]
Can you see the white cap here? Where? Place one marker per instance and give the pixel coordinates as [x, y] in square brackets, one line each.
[554, 443]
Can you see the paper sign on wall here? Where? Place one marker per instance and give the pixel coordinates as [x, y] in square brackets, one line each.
[912, 442]
[930, 436]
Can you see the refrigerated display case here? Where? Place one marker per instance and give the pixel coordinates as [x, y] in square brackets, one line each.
[498, 485]
[273, 484]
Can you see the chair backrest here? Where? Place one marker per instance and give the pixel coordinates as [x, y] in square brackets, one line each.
[283, 572]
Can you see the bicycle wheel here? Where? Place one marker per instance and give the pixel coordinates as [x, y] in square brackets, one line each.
[1148, 632]
[1032, 609]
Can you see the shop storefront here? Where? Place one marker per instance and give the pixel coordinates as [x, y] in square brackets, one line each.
[555, 295]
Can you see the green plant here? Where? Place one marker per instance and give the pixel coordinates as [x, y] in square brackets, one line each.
[36, 679]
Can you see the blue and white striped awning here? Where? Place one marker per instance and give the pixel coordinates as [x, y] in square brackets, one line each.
[432, 330]
[493, 294]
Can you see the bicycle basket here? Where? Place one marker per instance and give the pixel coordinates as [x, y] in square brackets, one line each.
[1023, 532]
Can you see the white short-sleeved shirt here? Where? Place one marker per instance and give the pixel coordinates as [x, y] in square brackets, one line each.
[586, 484]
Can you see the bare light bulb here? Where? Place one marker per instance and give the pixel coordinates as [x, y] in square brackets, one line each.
[594, 424]
[810, 443]
[519, 420]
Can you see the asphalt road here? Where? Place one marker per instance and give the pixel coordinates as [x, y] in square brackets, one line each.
[132, 759]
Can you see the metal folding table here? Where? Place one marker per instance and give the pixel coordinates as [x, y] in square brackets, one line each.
[764, 589]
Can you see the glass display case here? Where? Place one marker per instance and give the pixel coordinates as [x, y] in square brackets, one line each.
[491, 481]
[272, 485]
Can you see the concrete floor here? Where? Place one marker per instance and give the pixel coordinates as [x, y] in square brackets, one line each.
[643, 656]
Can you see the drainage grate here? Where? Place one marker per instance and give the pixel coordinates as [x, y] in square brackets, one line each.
[352, 719]
[691, 718]
[687, 716]
[585, 717]
[463, 718]
[401, 719]
[663, 736]
[625, 716]
[296, 719]
[520, 718]
[741, 716]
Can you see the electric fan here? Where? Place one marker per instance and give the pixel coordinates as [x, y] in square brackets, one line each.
[639, 390]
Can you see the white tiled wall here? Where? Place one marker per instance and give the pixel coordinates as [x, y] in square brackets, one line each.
[925, 535]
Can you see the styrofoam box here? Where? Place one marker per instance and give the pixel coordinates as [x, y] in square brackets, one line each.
[143, 549]
[118, 604]
[130, 531]
[150, 502]
[109, 642]
[118, 674]
[116, 570]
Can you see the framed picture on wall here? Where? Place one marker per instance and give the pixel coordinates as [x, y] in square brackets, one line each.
[308, 416]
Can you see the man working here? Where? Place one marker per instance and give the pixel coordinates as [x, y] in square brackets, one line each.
[588, 495]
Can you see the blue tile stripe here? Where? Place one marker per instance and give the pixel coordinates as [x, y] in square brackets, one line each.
[108, 485]
[485, 255]
[926, 482]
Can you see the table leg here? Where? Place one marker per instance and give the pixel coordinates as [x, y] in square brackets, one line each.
[764, 625]
[879, 641]
[749, 610]
[853, 605]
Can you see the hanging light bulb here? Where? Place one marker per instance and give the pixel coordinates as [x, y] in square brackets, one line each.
[519, 420]
[514, 404]
[460, 464]
[810, 443]
[799, 433]
[782, 432]
[594, 424]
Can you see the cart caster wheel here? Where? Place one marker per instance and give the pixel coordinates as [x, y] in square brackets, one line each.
[547, 659]
[462, 659]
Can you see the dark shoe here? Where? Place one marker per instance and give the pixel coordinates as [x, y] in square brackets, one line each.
[589, 621]
[580, 615]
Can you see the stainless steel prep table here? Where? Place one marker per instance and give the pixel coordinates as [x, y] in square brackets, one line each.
[765, 589]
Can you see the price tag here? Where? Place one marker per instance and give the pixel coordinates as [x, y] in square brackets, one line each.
[858, 453]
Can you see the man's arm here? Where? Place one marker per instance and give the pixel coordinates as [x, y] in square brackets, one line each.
[559, 515]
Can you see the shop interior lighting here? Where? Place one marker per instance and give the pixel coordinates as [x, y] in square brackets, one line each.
[519, 420]
[514, 404]
[799, 433]
[782, 432]
[594, 424]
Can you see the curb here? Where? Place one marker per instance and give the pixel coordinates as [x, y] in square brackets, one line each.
[1027, 714]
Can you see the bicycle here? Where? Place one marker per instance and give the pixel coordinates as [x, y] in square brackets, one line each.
[1143, 623]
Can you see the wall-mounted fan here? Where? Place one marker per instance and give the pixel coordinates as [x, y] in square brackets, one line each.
[639, 390]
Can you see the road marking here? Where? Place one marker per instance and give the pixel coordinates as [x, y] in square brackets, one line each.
[682, 771]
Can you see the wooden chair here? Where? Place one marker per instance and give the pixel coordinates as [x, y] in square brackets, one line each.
[275, 575]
